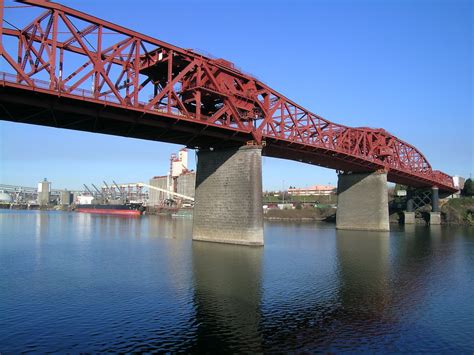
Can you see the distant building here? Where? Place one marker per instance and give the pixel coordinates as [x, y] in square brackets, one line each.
[65, 198]
[459, 182]
[179, 180]
[157, 198]
[179, 163]
[44, 192]
[5, 198]
[185, 184]
[316, 190]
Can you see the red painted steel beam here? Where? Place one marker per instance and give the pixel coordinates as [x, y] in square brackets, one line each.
[186, 86]
[91, 19]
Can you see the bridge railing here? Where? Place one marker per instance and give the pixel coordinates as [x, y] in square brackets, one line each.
[78, 92]
[61, 89]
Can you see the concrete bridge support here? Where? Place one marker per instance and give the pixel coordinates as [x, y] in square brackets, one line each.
[435, 214]
[362, 202]
[409, 214]
[228, 197]
[418, 199]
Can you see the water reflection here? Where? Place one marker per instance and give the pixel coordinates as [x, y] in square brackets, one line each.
[73, 282]
[169, 227]
[41, 234]
[390, 285]
[41, 225]
[227, 295]
[364, 275]
[420, 254]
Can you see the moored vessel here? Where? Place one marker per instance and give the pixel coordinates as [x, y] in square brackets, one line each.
[128, 209]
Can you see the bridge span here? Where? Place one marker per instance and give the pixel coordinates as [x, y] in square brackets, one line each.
[68, 69]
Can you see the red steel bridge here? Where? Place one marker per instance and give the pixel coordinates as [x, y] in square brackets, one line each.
[67, 69]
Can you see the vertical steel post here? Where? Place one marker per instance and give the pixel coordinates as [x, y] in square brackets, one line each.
[409, 201]
[1, 27]
[96, 77]
[435, 199]
[136, 76]
[170, 78]
[52, 58]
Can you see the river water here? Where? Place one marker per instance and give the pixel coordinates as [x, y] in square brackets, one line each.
[72, 282]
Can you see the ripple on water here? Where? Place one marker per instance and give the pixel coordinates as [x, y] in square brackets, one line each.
[72, 283]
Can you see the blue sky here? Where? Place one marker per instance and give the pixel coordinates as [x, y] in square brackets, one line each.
[405, 66]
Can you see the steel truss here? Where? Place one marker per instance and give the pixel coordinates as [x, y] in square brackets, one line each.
[71, 55]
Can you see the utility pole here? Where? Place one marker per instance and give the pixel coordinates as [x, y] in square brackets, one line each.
[283, 190]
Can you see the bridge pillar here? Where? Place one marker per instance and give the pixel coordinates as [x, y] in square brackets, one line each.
[228, 197]
[409, 214]
[435, 214]
[409, 217]
[362, 202]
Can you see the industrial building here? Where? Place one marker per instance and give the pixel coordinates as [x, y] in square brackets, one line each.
[44, 192]
[66, 198]
[43, 196]
[186, 183]
[158, 198]
[316, 190]
[459, 182]
[5, 199]
[179, 180]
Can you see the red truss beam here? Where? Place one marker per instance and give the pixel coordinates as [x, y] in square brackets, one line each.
[68, 53]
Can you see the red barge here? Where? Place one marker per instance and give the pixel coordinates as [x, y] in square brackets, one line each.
[129, 209]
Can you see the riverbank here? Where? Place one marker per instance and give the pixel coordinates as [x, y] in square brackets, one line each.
[304, 214]
[458, 211]
[454, 211]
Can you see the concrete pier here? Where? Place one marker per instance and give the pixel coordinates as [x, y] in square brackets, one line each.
[435, 199]
[435, 214]
[362, 202]
[409, 214]
[435, 218]
[228, 197]
[409, 217]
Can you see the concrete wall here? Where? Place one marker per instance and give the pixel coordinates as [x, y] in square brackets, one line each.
[185, 184]
[156, 198]
[228, 200]
[362, 202]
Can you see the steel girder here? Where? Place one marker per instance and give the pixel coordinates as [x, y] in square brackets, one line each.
[67, 53]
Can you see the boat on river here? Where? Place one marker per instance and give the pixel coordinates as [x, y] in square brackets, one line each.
[127, 209]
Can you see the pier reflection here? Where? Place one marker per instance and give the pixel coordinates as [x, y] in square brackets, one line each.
[77, 282]
[364, 276]
[418, 258]
[227, 297]
[386, 280]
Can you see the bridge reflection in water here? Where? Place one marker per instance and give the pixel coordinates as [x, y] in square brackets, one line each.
[227, 295]
[103, 283]
[358, 290]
